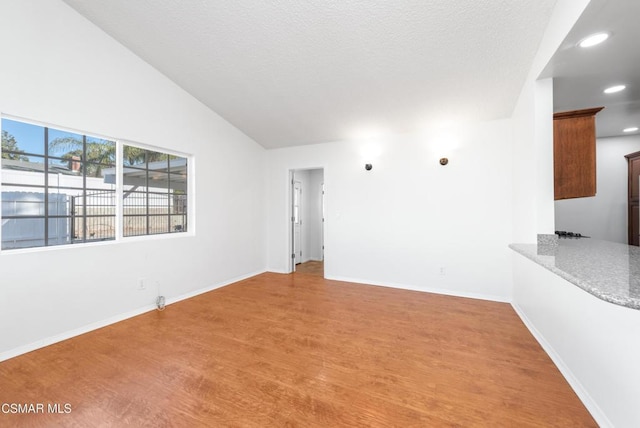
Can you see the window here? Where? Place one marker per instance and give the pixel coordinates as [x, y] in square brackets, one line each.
[60, 187]
[53, 188]
[154, 192]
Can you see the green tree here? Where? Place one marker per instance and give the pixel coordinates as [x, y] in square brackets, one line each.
[133, 155]
[9, 144]
[99, 152]
[103, 152]
[136, 156]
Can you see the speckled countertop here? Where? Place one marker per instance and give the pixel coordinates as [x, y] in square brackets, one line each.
[608, 270]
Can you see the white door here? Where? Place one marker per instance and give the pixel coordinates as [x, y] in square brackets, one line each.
[297, 222]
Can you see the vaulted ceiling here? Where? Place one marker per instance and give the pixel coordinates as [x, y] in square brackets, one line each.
[290, 72]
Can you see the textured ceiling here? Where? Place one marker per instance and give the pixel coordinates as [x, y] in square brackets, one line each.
[301, 72]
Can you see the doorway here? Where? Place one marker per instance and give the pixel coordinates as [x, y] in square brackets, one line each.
[306, 217]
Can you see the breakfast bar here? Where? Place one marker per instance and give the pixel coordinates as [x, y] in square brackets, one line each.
[608, 270]
[580, 298]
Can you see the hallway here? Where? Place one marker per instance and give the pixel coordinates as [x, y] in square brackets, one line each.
[312, 267]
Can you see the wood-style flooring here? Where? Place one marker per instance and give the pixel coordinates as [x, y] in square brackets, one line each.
[312, 267]
[297, 350]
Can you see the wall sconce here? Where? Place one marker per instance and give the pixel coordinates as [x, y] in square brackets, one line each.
[368, 167]
[444, 161]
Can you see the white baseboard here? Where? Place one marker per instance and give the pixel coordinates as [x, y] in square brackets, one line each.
[171, 300]
[112, 320]
[575, 384]
[434, 290]
[281, 271]
[72, 333]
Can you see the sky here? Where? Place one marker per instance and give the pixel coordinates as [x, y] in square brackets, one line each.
[30, 138]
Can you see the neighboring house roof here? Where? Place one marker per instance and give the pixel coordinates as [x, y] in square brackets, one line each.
[21, 165]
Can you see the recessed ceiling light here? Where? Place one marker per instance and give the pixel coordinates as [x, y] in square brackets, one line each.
[614, 89]
[632, 129]
[594, 39]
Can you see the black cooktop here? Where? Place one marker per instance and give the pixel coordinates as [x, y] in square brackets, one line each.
[565, 234]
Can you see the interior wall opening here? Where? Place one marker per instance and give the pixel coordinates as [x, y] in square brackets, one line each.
[307, 221]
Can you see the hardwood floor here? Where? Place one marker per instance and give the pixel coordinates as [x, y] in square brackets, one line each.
[312, 267]
[298, 350]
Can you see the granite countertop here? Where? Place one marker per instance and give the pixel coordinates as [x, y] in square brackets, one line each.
[608, 270]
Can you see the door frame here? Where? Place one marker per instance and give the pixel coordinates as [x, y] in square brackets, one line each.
[322, 216]
[289, 210]
[296, 252]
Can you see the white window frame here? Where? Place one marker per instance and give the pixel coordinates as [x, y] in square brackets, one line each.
[119, 192]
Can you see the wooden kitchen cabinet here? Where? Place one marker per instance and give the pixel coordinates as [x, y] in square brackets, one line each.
[574, 153]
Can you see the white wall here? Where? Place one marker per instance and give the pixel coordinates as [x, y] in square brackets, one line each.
[533, 162]
[400, 223]
[594, 343]
[533, 208]
[60, 69]
[603, 216]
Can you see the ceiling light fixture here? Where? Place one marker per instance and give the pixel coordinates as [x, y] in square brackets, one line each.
[632, 129]
[614, 89]
[594, 39]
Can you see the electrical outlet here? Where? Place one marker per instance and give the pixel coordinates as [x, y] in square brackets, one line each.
[443, 271]
[142, 284]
